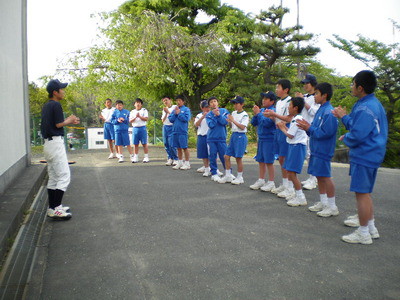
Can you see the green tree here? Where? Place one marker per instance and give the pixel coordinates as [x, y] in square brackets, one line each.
[159, 47]
[384, 60]
[279, 45]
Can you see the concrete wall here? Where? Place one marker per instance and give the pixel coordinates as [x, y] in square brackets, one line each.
[14, 104]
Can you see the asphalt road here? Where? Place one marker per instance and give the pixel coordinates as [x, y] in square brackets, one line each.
[145, 231]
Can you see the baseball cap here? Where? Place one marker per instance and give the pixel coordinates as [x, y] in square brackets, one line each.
[237, 99]
[204, 103]
[309, 78]
[268, 95]
[55, 85]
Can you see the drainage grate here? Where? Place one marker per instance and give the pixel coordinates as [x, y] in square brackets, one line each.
[14, 276]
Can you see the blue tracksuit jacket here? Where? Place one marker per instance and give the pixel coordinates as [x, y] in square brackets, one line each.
[368, 132]
[180, 121]
[119, 127]
[217, 125]
[265, 126]
[322, 132]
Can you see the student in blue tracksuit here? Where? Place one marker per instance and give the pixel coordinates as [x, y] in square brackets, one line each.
[180, 118]
[266, 130]
[367, 138]
[217, 119]
[322, 133]
[120, 119]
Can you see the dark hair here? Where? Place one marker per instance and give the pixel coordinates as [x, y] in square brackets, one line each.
[108, 99]
[139, 100]
[168, 97]
[298, 102]
[313, 83]
[367, 80]
[285, 84]
[325, 88]
[180, 97]
[212, 98]
[119, 101]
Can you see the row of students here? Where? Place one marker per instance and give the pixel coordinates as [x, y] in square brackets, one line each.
[285, 131]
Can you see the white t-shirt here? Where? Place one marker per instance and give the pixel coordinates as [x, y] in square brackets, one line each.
[138, 122]
[203, 128]
[242, 118]
[299, 135]
[107, 113]
[167, 121]
[282, 108]
[309, 114]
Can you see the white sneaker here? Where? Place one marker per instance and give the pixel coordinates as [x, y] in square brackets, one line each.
[169, 162]
[297, 201]
[175, 162]
[269, 186]
[291, 196]
[238, 180]
[186, 166]
[206, 173]
[135, 158]
[117, 155]
[58, 214]
[121, 158]
[305, 181]
[318, 206]
[64, 208]
[328, 212]
[374, 233]
[201, 169]
[278, 189]
[215, 178]
[284, 193]
[311, 184]
[352, 221]
[111, 156]
[146, 159]
[219, 173]
[357, 238]
[226, 179]
[178, 165]
[258, 184]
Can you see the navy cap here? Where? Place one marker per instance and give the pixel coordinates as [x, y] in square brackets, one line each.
[204, 103]
[55, 85]
[237, 99]
[309, 78]
[269, 95]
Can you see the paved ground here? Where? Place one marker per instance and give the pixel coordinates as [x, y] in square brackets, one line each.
[145, 231]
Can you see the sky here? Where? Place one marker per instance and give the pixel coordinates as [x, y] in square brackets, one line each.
[57, 28]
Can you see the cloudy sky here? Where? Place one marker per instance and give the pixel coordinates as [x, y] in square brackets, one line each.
[57, 28]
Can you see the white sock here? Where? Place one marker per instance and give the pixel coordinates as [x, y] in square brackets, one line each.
[290, 184]
[285, 182]
[364, 230]
[207, 169]
[332, 202]
[324, 199]
[269, 181]
[371, 224]
[240, 174]
[146, 155]
[299, 193]
[228, 172]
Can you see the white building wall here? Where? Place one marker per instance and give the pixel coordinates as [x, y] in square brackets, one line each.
[95, 137]
[14, 108]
